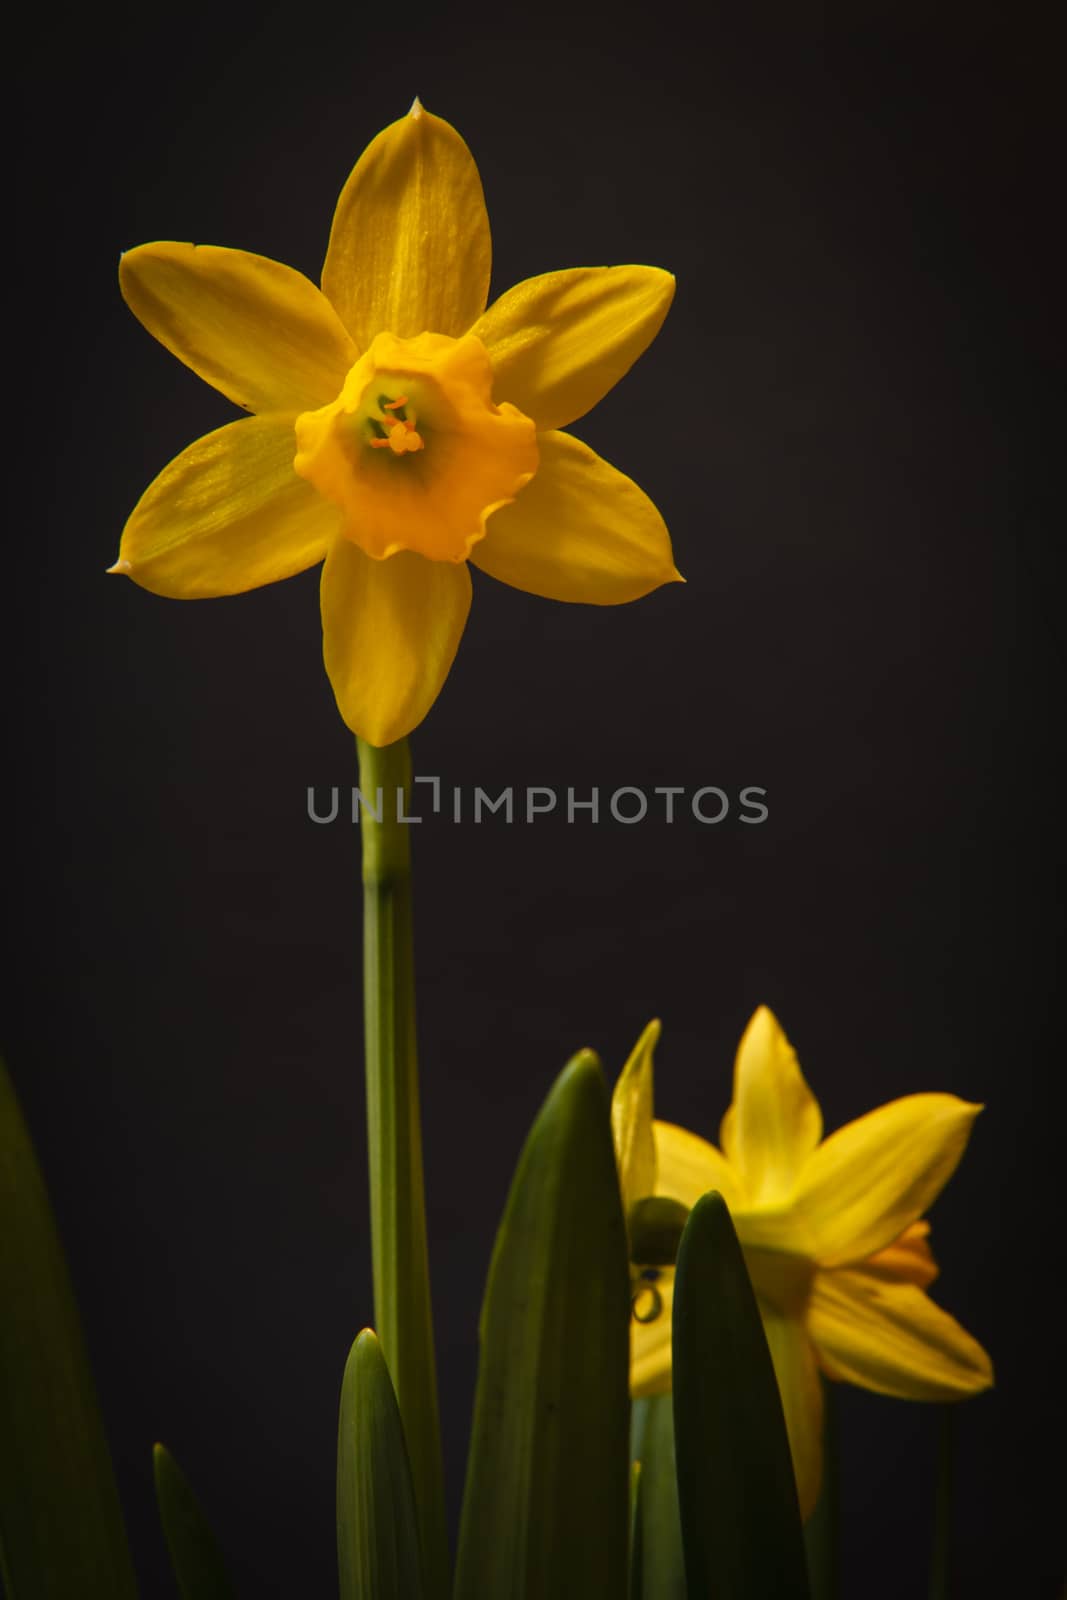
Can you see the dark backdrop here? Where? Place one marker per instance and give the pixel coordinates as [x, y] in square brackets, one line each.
[842, 422]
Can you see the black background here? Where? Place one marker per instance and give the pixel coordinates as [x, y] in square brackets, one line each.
[843, 423]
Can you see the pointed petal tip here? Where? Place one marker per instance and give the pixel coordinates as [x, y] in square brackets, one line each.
[971, 1109]
[417, 108]
[121, 566]
[649, 1035]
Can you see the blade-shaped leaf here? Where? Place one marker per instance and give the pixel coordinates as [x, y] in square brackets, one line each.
[741, 1529]
[61, 1527]
[545, 1513]
[660, 1528]
[195, 1556]
[377, 1529]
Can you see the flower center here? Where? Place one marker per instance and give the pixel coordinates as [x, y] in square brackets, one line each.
[413, 451]
[401, 437]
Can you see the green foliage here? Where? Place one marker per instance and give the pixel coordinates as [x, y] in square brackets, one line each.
[61, 1527]
[741, 1528]
[659, 1530]
[545, 1513]
[199, 1568]
[377, 1529]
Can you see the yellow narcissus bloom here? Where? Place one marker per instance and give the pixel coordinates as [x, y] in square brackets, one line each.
[400, 428]
[831, 1229]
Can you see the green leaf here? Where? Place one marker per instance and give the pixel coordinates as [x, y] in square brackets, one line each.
[197, 1561]
[377, 1529]
[545, 1512]
[660, 1531]
[741, 1528]
[61, 1527]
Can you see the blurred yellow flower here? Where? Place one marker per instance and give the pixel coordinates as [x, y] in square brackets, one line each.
[831, 1230]
[400, 429]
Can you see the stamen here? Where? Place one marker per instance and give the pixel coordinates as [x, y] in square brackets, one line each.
[402, 438]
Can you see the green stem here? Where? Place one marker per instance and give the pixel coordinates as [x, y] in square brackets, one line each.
[652, 1443]
[398, 1214]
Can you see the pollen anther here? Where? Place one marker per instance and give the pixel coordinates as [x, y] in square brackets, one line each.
[401, 438]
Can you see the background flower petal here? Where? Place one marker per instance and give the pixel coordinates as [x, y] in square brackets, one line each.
[559, 342]
[908, 1259]
[892, 1338]
[874, 1177]
[390, 633]
[800, 1387]
[409, 249]
[226, 515]
[580, 531]
[650, 1344]
[631, 1121]
[774, 1121]
[688, 1166]
[259, 331]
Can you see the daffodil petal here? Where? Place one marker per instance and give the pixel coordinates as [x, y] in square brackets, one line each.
[774, 1122]
[892, 1338]
[228, 514]
[559, 342]
[688, 1167]
[800, 1387]
[409, 249]
[631, 1121]
[580, 531]
[650, 1344]
[259, 331]
[874, 1177]
[908, 1259]
[390, 633]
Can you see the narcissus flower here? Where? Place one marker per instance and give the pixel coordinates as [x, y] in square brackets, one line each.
[831, 1229]
[400, 428]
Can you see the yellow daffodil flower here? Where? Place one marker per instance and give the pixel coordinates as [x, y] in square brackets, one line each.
[400, 428]
[831, 1229]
